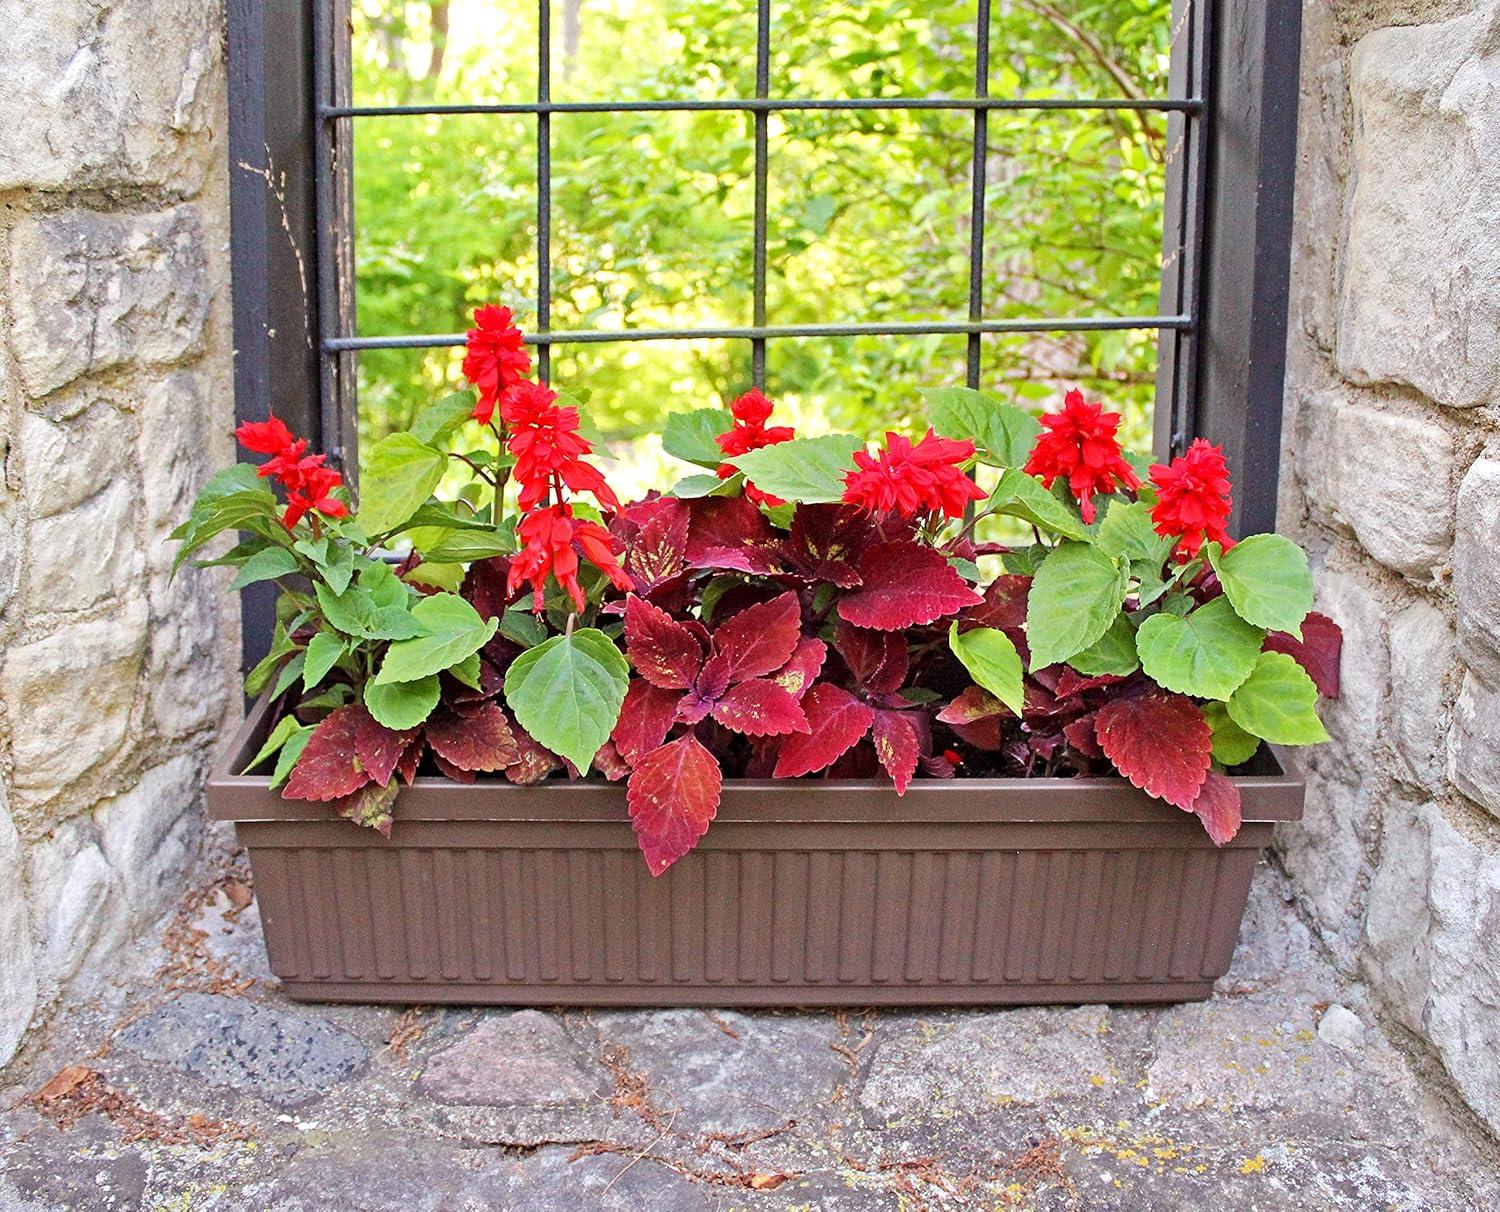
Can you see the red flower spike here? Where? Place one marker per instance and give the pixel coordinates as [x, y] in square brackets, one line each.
[663, 651]
[483, 741]
[898, 745]
[907, 479]
[495, 359]
[545, 440]
[309, 485]
[760, 708]
[1078, 445]
[749, 432]
[1218, 806]
[673, 794]
[799, 673]
[905, 584]
[645, 719]
[269, 437]
[837, 721]
[329, 768]
[1318, 651]
[760, 639]
[548, 537]
[1193, 500]
[1160, 742]
[378, 748]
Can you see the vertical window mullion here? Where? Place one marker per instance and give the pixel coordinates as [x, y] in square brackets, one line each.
[762, 165]
[978, 184]
[544, 187]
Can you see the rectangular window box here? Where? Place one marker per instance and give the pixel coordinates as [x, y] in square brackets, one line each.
[962, 892]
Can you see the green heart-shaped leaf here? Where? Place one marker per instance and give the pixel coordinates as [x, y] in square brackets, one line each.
[1278, 702]
[567, 692]
[1205, 654]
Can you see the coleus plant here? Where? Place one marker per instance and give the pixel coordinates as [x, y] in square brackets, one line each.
[1004, 596]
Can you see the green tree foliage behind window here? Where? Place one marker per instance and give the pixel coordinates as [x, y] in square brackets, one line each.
[869, 211]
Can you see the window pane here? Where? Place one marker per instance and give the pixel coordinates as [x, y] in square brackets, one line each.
[651, 220]
[900, 48]
[1105, 48]
[487, 53]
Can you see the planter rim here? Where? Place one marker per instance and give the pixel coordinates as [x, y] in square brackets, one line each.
[1268, 797]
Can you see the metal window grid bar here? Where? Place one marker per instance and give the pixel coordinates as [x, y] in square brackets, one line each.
[1182, 226]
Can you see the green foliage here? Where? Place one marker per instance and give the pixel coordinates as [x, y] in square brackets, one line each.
[1018, 495]
[1002, 433]
[1267, 579]
[690, 435]
[454, 631]
[992, 661]
[567, 692]
[1114, 652]
[1074, 599]
[1206, 653]
[402, 705]
[1231, 743]
[1278, 702]
[806, 470]
[399, 474]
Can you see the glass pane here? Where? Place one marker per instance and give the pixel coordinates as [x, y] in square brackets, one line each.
[652, 220]
[421, 53]
[657, 50]
[869, 216]
[1104, 48]
[900, 48]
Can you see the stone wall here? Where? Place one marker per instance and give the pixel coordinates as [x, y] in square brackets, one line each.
[1391, 477]
[115, 403]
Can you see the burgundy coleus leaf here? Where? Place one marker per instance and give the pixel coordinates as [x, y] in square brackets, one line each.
[491, 683]
[1218, 806]
[759, 639]
[484, 586]
[377, 747]
[802, 669]
[663, 651]
[410, 760]
[329, 768]
[655, 534]
[370, 806]
[645, 719]
[759, 707]
[457, 773]
[877, 659]
[731, 532]
[673, 794]
[610, 763]
[1003, 607]
[1318, 651]
[1160, 742]
[1070, 682]
[905, 584]
[481, 741]
[534, 764]
[1080, 735]
[825, 543]
[898, 745]
[976, 716]
[836, 720]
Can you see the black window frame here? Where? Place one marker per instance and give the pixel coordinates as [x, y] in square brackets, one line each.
[1231, 132]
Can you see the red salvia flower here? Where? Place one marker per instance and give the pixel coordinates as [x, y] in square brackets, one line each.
[908, 478]
[548, 537]
[495, 359]
[1079, 446]
[1193, 500]
[750, 432]
[309, 485]
[545, 440]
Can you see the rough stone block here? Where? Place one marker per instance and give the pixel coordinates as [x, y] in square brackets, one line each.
[107, 95]
[87, 555]
[68, 698]
[1395, 486]
[1424, 674]
[18, 972]
[190, 662]
[78, 905]
[90, 291]
[277, 1055]
[1394, 955]
[1326, 852]
[1421, 303]
[150, 834]
[1322, 173]
[1314, 450]
[1353, 719]
[521, 1059]
[174, 457]
[1473, 751]
[1476, 568]
[69, 461]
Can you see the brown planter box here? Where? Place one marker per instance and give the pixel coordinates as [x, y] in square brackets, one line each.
[979, 891]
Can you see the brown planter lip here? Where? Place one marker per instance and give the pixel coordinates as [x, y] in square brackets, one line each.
[1269, 797]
